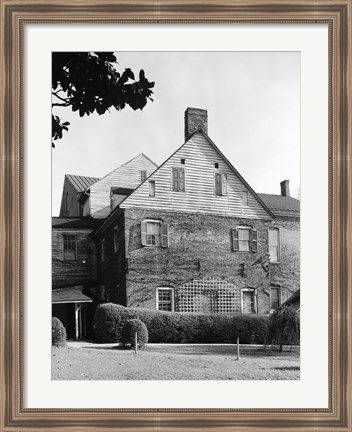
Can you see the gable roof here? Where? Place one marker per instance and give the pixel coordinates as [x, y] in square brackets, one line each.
[81, 182]
[69, 295]
[281, 205]
[128, 162]
[222, 156]
[232, 168]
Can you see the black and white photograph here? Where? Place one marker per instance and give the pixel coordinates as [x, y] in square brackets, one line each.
[176, 215]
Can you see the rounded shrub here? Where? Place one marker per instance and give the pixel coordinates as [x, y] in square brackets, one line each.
[284, 327]
[58, 334]
[129, 330]
[109, 319]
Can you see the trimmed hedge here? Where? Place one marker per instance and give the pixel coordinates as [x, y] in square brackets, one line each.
[109, 319]
[128, 333]
[284, 327]
[176, 327]
[58, 333]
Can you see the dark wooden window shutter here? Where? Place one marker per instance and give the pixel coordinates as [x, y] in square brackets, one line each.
[235, 244]
[254, 241]
[164, 235]
[144, 233]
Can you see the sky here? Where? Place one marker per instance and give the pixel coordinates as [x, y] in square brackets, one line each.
[253, 104]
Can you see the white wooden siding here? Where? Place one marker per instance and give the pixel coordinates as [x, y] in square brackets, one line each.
[126, 176]
[199, 195]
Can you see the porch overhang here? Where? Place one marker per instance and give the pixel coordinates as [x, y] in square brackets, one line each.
[68, 295]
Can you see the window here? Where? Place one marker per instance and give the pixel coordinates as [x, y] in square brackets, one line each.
[220, 184]
[152, 188]
[154, 233]
[248, 300]
[183, 161]
[216, 165]
[275, 297]
[70, 247]
[274, 244]
[178, 179]
[143, 175]
[245, 239]
[245, 198]
[165, 299]
[102, 251]
[116, 239]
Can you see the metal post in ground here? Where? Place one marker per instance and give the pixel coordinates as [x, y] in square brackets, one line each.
[135, 342]
[238, 349]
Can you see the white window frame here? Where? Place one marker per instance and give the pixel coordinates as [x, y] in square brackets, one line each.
[255, 300]
[142, 176]
[253, 239]
[278, 245]
[162, 235]
[172, 298]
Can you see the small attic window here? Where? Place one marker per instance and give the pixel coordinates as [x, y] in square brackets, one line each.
[183, 161]
[143, 174]
[245, 198]
[216, 165]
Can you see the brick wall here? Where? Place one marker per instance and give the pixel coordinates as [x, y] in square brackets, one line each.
[200, 246]
[111, 272]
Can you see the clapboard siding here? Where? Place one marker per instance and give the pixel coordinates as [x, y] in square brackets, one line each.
[199, 195]
[126, 176]
[69, 200]
[80, 271]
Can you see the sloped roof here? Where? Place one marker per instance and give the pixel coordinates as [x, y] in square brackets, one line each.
[262, 203]
[69, 295]
[81, 182]
[127, 163]
[281, 205]
[121, 191]
[294, 300]
[76, 223]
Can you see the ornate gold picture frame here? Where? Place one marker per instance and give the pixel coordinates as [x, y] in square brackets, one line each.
[337, 14]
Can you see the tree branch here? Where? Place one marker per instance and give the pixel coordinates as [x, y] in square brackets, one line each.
[64, 105]
[59, 97]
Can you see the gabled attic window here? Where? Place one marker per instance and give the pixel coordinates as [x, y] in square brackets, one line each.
[245, 198]
[221, 184]
[178, 179]
[143, 174]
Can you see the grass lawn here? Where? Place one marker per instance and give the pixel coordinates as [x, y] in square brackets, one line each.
[173, 362]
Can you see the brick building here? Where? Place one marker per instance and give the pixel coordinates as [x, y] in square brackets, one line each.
[190, 235]
[195, 237]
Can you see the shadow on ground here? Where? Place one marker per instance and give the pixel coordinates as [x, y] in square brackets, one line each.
[206, 350]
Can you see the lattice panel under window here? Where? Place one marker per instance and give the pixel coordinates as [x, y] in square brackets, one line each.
[208, 295]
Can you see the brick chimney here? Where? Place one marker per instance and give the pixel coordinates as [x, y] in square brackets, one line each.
[285, 188]
[195, 118]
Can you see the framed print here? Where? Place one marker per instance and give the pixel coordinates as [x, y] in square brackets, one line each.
[147, 210]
